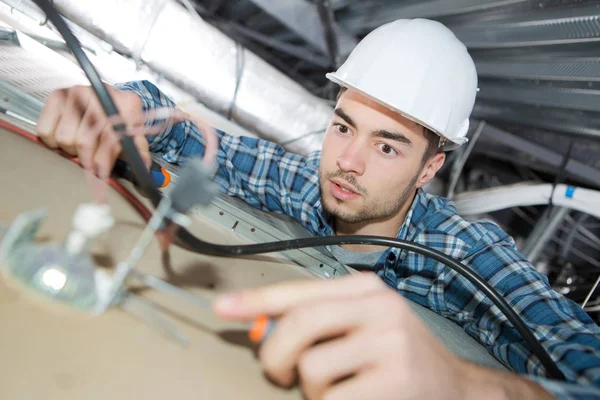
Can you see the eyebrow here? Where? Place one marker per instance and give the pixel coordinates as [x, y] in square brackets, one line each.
[382, 133]
[398, 137]
[340, 113]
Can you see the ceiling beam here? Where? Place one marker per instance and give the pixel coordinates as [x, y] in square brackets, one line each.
[372, 17]
[302, 17]
[541, 95]
[540, 152]
[575, 124]
[299, 52]
[580, 69]
[558, 26]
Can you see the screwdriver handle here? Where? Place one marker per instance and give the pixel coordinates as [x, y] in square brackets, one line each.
[261, 329]
[160, 175]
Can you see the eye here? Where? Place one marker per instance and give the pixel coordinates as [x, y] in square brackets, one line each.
[387, 149]
[343, 129]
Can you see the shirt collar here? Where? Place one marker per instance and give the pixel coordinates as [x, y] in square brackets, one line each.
[324, 221]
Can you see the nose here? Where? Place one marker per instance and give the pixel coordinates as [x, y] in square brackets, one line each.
[352, 159]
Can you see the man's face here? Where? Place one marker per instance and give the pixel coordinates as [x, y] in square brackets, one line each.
[371, 161]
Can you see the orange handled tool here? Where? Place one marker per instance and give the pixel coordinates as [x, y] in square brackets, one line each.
[159, 174]
[261, 328]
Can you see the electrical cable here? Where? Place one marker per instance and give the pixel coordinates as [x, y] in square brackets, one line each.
[592, 290]
[191, 242]
[129, 150]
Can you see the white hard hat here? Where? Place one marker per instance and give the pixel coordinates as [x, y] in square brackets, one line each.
[418, 68]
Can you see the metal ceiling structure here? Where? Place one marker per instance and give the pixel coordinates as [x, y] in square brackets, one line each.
[538, 61]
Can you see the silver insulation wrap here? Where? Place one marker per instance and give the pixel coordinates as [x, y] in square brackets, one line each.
[206, 64]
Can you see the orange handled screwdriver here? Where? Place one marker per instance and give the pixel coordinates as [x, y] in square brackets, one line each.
[260, 329]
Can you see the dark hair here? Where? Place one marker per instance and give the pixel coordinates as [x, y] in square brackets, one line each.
[433, 139]
[433, 145]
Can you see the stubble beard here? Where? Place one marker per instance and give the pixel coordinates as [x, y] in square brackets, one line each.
[372, 209]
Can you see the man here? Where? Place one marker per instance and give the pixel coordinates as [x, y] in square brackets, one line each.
[407, 93]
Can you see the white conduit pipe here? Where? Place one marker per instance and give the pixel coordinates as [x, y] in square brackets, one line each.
[527, 194]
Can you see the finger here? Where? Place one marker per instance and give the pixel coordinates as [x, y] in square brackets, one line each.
[276, 299]
[327, 363]
[316, 321]
[48, 119]
[107, 152]
[70, 119]
[88, 136]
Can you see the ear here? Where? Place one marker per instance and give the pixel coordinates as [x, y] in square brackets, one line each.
[431, 168]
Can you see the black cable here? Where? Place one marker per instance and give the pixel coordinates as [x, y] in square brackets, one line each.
[193, 243]
[130, 152]
[519, 325]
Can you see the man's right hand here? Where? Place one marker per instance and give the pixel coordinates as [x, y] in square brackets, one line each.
[73, 119]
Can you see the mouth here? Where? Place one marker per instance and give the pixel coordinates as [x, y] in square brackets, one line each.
[342, 190]
[344, 186]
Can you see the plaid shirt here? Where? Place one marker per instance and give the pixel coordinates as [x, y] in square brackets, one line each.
[267, 177]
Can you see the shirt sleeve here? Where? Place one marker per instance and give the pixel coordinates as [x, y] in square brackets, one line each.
[567, 333]
[259, 172]
[568, 391]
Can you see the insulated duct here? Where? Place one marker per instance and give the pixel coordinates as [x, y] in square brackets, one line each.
[206, 63]
[484, 201]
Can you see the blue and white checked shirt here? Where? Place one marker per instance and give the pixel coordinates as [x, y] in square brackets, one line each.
[267, 177]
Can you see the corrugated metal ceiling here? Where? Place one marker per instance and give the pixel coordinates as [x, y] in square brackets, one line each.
[538, 61]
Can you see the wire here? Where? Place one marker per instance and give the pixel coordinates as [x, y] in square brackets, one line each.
[129, 150]
[592, 290]
[193, 243]
[471, 276]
